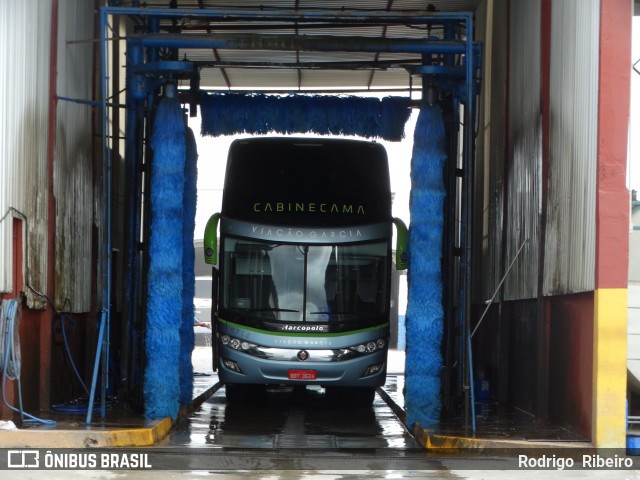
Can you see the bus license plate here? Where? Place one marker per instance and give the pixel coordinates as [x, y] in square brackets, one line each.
[303, 374]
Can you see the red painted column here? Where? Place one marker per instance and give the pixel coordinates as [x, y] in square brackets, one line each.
[612, 227]
[612, 207]
[46, 317]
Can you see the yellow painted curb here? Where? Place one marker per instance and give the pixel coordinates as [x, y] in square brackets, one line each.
[58, 437]
[437, 441]
[124, 437]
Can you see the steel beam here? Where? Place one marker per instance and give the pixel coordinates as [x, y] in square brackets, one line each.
[309, 43]
[401, 17]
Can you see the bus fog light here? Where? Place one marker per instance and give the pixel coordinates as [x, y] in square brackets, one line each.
[372, 370]
[231, 365]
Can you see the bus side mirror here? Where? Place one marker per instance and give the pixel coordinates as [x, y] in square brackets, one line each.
[402, 238]
[211, 240]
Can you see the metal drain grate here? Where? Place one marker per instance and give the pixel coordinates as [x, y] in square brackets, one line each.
[284, 440]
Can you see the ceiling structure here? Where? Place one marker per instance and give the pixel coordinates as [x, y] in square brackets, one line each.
[299, 69]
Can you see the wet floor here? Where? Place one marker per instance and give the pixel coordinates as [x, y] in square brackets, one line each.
[297, 429]
[295, 434]
[291, 418]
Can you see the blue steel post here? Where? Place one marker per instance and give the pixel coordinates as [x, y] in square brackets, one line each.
[106, 288]
[469, 127]
[449, 243]
[135, 96]
[101, 347]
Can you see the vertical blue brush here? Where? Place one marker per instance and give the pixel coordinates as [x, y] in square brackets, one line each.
[189, 199]
[424, 321]
[164, 302]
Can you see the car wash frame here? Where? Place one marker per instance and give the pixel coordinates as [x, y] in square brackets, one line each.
[450, 74]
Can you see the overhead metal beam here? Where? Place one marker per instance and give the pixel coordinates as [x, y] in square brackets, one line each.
[317, 43]
[411, 17]
[275, 25]
[405, 63]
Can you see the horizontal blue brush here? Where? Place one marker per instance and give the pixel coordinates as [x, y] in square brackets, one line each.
[368, 117]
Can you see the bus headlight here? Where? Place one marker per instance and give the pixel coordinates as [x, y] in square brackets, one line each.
[369, 347]
[236, 343]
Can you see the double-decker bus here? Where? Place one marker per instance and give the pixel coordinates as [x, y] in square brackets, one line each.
[302, 294]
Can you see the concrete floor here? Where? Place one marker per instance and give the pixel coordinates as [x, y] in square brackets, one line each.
[488, 474]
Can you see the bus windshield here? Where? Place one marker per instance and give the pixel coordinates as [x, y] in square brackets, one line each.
[305, 283]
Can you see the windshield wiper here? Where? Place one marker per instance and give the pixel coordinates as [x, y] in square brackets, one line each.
[273, 310]
[336, 313]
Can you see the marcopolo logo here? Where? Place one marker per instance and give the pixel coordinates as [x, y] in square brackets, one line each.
[303, 328]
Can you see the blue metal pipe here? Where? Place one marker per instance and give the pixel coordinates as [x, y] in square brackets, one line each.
[275, 15]
[436, 70]
[103, 341]
[467, 205]
[316, 43]
[80, 101]
[94, 379]
[106, 287]
[472, 387]
[136, 93]
[136, 82]
[154, 27]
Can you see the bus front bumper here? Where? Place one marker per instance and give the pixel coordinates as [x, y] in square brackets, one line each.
[364, 371]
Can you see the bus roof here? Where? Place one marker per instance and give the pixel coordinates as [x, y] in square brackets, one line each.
[307, 181]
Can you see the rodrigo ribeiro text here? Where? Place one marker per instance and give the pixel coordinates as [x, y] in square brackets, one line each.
[588, 461]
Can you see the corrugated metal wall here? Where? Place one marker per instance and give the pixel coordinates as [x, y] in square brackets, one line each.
[570, 234]
[524, 158]
[25, 31]
[569, 260]
[73, 167]
[24, 94]
[488, 214]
